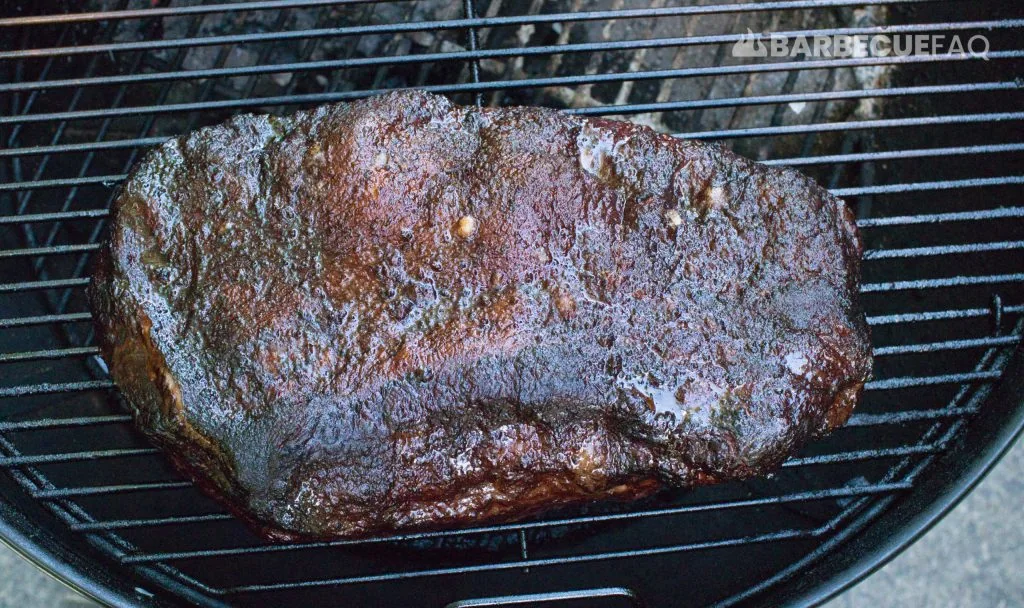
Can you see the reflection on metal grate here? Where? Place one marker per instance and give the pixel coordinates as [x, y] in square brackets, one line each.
[924, 148]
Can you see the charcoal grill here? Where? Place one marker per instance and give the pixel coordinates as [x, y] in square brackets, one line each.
[926, 149]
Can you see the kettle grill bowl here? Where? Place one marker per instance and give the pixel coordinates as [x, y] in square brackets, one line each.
[927, 151]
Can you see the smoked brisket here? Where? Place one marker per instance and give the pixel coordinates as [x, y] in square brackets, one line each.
[401, 314]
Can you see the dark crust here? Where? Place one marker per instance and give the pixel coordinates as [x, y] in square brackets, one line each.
[290, 311]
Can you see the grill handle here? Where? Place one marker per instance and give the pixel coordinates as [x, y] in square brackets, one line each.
[560, 596]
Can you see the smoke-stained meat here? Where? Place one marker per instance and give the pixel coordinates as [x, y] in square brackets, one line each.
[401, 314]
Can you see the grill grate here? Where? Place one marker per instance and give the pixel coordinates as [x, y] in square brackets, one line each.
[925, 148]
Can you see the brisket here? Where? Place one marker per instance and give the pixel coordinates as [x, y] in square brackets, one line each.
[401, 314]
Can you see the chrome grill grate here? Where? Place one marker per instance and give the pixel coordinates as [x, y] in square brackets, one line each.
[926, 149]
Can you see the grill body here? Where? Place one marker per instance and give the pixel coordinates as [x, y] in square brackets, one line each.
[926, 150]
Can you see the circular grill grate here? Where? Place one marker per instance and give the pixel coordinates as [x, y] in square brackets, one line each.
[922, 147]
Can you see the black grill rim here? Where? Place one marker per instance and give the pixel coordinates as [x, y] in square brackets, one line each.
[955, 473]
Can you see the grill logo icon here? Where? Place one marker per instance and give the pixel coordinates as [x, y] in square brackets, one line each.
[749, 45]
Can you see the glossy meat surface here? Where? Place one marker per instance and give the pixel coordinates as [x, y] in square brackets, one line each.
[402, 314]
